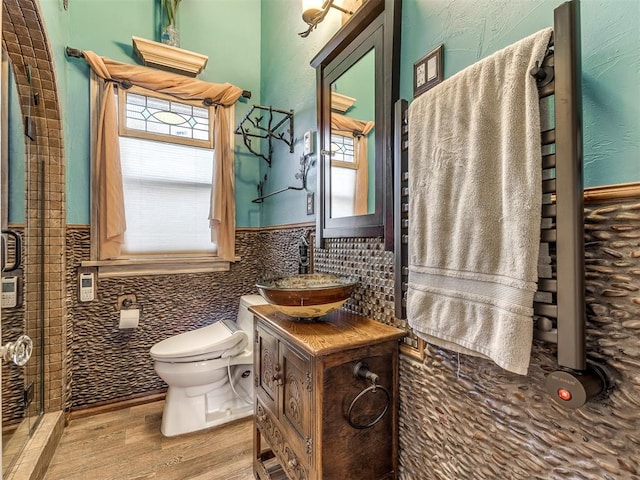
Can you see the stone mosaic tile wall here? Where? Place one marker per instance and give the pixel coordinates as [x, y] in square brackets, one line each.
[107, 364]
[462, 418]
[366, 260]
[13, 377]
[373, 267]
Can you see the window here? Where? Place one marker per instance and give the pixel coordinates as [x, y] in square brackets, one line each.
[167, 189]
[343, 175]
[164, 119]
[167, 160]
[342, 151]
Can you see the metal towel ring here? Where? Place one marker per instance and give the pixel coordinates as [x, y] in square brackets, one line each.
[370, 388]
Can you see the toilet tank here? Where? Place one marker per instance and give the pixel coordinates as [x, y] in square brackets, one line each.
[245, 317]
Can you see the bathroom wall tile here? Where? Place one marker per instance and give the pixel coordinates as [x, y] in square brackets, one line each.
[105, 364]
[462, 417]
[366, 260]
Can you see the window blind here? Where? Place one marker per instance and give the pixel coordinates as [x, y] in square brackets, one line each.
[167, 190]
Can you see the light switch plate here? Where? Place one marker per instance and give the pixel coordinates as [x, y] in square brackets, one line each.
[310, 203]
[308, 144]
[428, 71]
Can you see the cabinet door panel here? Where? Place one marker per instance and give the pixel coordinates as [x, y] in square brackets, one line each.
[296, 394]
[267, 367]
[350, 453]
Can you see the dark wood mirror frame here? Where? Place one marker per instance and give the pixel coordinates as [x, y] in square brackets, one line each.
[376, 24]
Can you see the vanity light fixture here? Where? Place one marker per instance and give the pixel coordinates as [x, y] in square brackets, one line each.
[314, 11]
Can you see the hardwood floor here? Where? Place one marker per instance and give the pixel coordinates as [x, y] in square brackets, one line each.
[127, 445]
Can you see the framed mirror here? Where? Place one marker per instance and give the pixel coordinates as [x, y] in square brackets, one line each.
[357, 76]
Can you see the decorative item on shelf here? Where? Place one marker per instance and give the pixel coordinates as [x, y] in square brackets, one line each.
[170, 34]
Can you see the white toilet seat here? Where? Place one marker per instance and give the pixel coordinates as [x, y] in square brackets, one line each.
[207, 343]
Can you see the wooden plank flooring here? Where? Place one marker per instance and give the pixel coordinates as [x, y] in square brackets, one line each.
[127, 445]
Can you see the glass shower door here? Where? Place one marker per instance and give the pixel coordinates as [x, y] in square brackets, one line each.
[22, 269]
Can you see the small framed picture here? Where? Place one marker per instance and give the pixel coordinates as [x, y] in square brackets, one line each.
[428, 71]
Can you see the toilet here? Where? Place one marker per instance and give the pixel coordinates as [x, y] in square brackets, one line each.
[209, 372]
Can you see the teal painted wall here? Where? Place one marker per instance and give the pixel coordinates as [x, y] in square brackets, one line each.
[611, 91]
[254, 44]
[357, 83]
[289, 82]
[55, 23]
[58, 30]
[473, 29]
[227, 31]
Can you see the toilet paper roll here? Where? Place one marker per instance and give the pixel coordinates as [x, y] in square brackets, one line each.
[129, 318]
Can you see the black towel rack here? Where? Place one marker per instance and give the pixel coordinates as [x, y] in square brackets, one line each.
[577, 380]
[305, 163]
[559, 308]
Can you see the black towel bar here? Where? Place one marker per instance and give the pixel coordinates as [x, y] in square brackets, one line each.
[560, 302]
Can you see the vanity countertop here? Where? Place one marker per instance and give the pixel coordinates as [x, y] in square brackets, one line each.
[338, 331]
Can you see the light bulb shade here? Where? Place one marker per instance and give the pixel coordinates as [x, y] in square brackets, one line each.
[311, 9]
[314, 4]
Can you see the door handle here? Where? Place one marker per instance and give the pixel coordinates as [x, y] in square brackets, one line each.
[18, 352]
[17, 238]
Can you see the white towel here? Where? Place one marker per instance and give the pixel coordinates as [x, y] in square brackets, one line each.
[474, 209]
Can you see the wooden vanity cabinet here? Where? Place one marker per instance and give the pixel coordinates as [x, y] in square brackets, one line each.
[304, 385]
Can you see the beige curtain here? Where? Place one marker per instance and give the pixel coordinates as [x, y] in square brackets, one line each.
[110, 198]
[359, 129]
[222, 215]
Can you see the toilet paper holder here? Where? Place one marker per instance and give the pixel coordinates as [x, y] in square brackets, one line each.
[126, 302]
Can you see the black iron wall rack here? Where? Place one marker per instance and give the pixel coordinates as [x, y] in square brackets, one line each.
[253, 126]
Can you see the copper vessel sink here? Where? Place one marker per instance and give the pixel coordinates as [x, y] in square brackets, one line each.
[307, 295]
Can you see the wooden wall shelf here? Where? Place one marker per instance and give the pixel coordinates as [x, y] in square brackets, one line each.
[165, 57]
[341, 103]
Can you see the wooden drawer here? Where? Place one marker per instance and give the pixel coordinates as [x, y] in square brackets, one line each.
[294, 466]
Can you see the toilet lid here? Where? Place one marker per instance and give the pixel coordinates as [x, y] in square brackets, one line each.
[216, 338]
